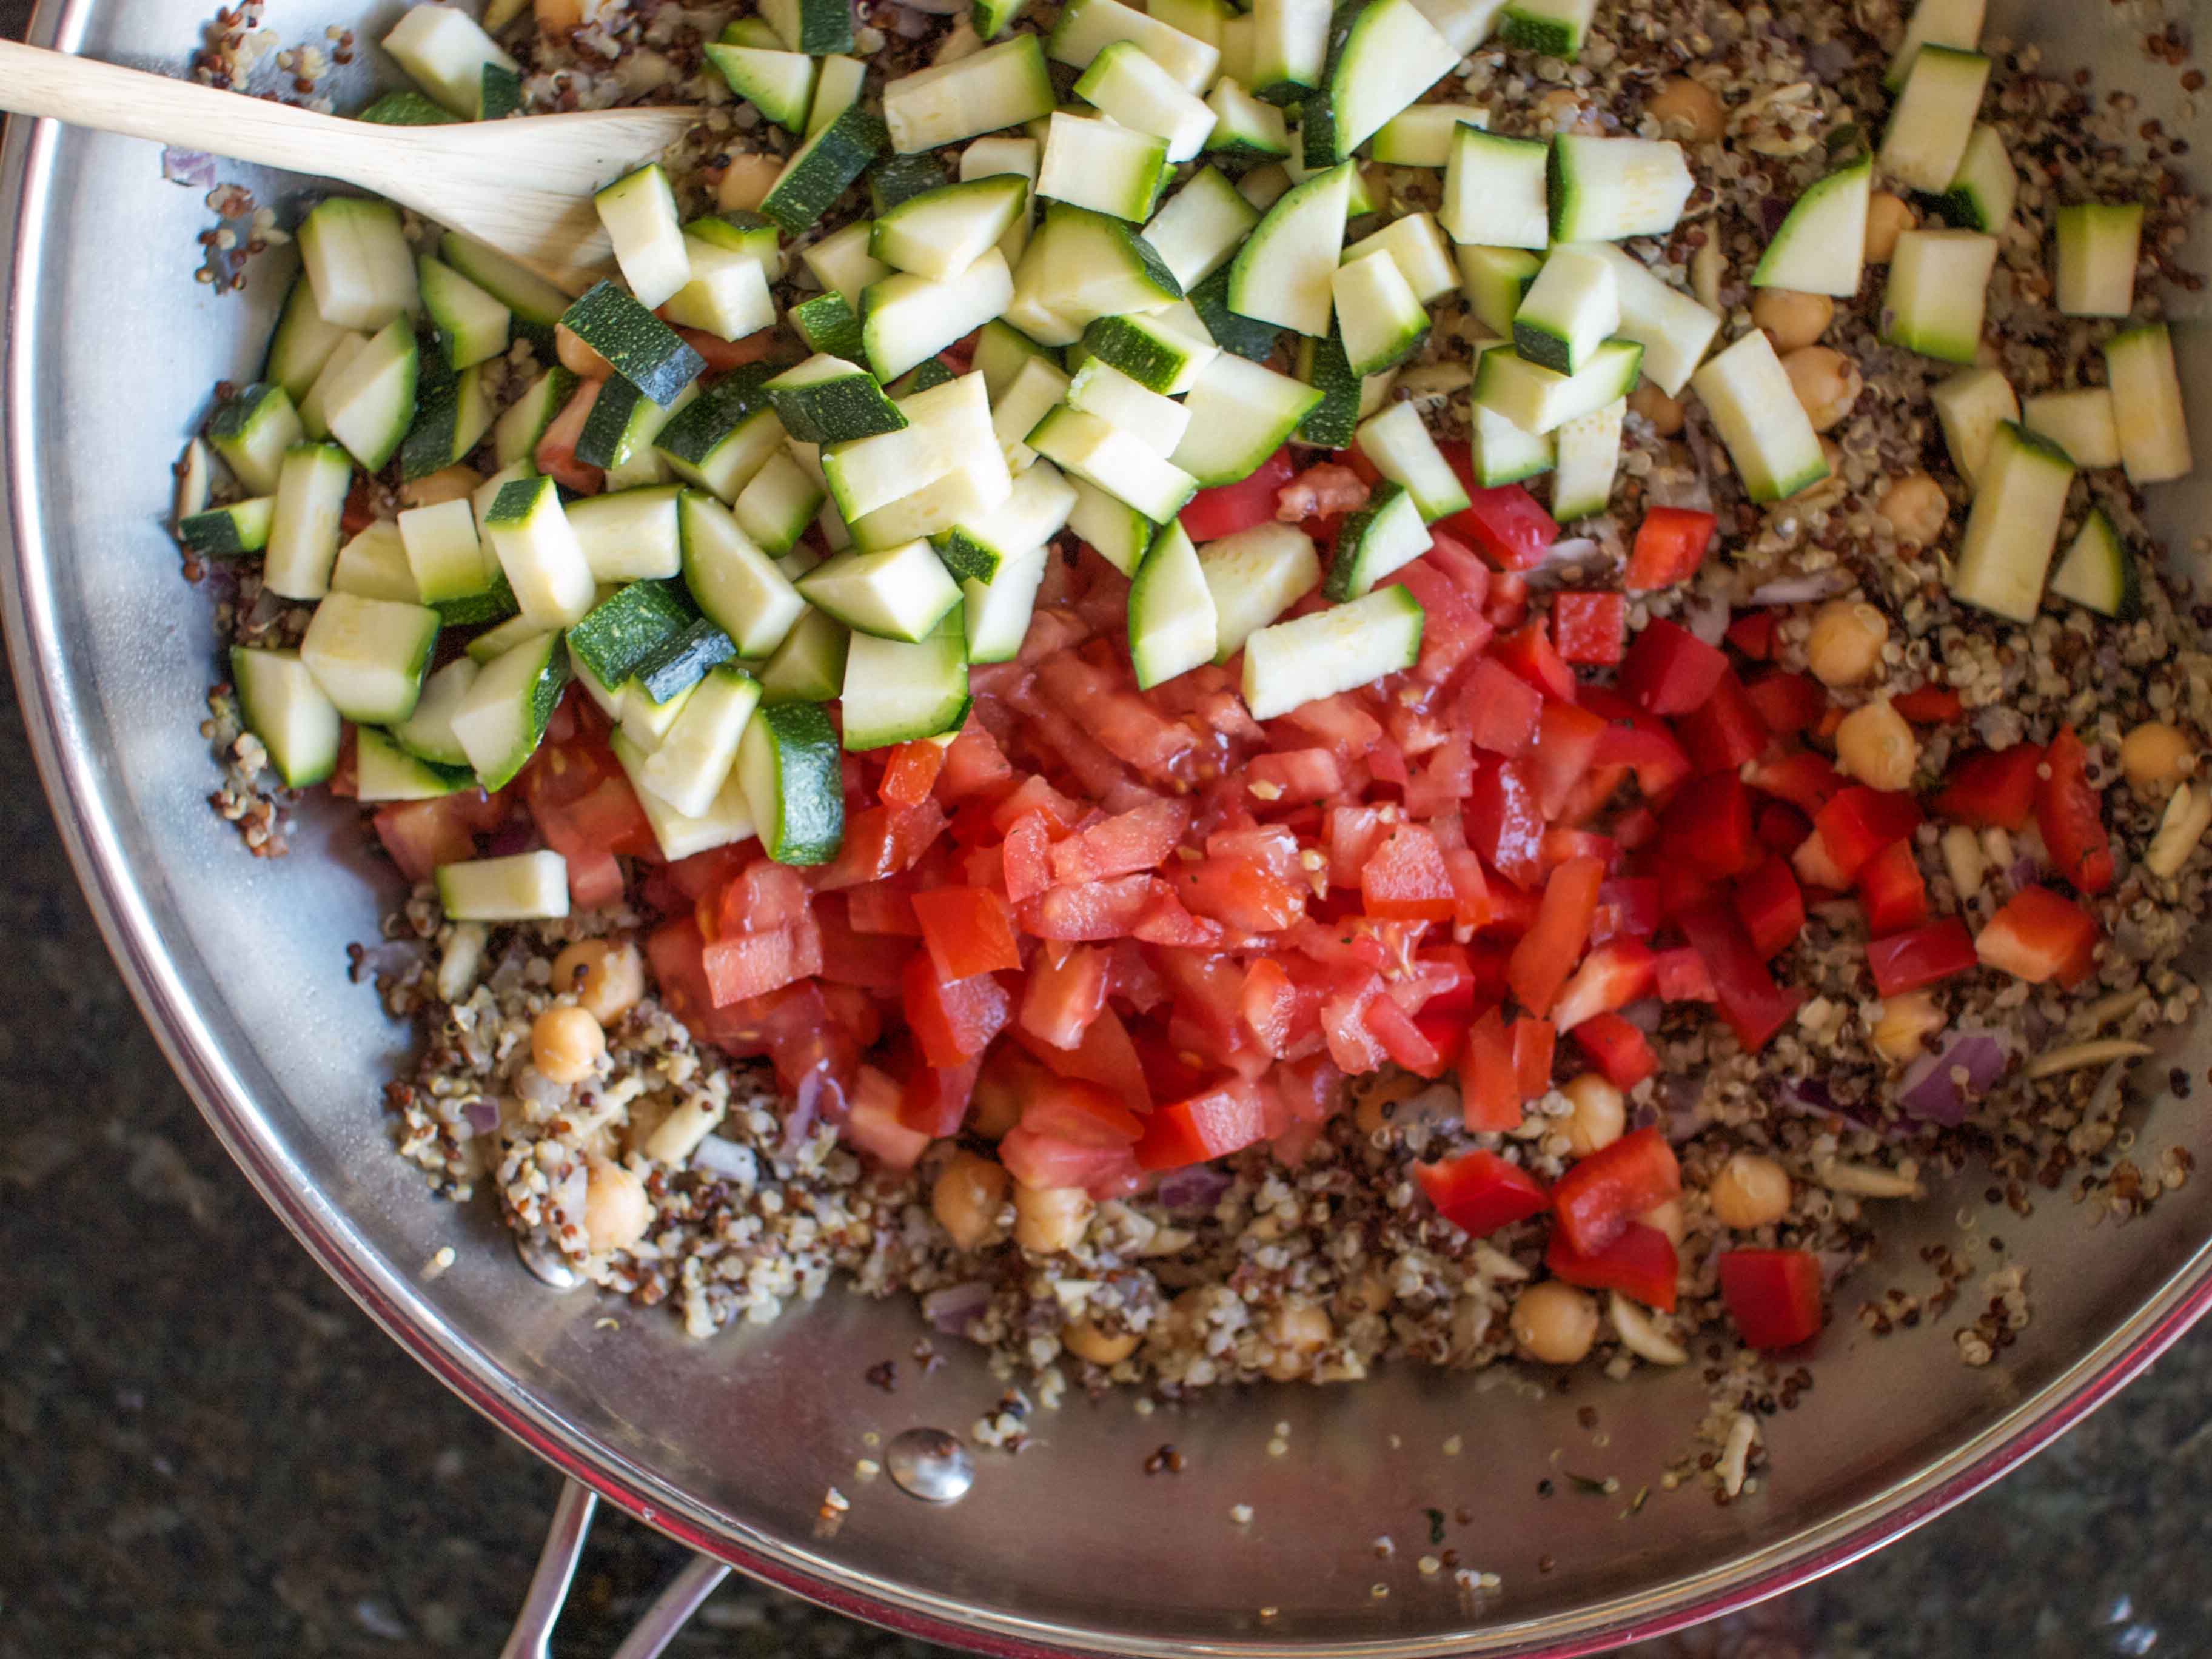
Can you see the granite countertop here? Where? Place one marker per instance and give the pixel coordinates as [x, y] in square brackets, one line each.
[205, 1449]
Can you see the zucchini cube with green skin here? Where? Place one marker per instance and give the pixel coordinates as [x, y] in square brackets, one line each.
[1938, 291]
[450, 420]
[515, 435]
[644, 350]
[810, 26]
[809, 666]
[739, 232]
[2098, 572]
[777, 506]
[520, 887]
[1283, 273]
[281, 704]
[1821, 246]
[538, 551]
[370, 655]
[898, 592]
[2082, 423]
[675, 666]
[978, 484]
[302, 343]
[472, 326]
[727, 821]
[1383, 55]
[1378, 316]
[1538, 400]
[2098, 246]
[1109, 169]
[794, 781]
[1555, 28]
[427, 734]
[695, 760]
[501, 718]
[1956, 23]
[1398, 443]
[1201, 19]
[1495, 281]
[1769, 436]
[373, 564]
[1588, 457]
[1103, 390]
[639, 213]
[1674, 329]
[1607, 190]
[896, 691]
[1153, 351]
[231, 532]
[1018, 158]
[778, 84]
[734, 583]
[444, 556]
[1171, 615]
[727, 295]
[1035, 389]
[829, 324]
[1034, 512]
[821, 169]
[826, 400]
[498, 642]
[1334, 417]
[2014, 528]
[1087, 27]
[1137, 93]
[359, 263]
[1421, 136]
[626, 628]
[1970, 406]
[907, 318]
[897, 179]
[1347, 645]
[1417, 243]
[995, 615]
[836, 90]
[939, 234]
[383, 771]
[720, 440]
[1001, 86]
[1570, 310]
[1502, 453]
[1290, 48]
[253, 432]
[946, 425]
[1385, 535]
[1244, 125]
[2147, 405]
[1254, 577]
[1123, 465]
[1494, 190]
[407, 108]
[629, 535]
[1982, 194]
[303, 525]
[1119, 534]
[1240, 413]
[534, 301]
[1933, 120]
[1199, 229]
[445, 53]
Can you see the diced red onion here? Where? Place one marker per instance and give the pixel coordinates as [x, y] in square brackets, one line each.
[1189, 1191]
[2021, 873]
[1930, 1092]
[515, 835]
[1645, 1015]
[954, 1309]
[1568, 550]
[1707, 617]
[906, 21]
[481, 1115]
[389, 957]
[194, 168]
[1801, 590]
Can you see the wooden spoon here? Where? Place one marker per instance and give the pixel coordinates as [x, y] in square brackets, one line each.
[524, 185]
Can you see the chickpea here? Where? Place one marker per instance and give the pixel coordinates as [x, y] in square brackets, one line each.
[1554, 1323]
[1049, 1219]
[966, 1197]
[1369, 1292]
[1688, 109]
[1825, 382]
[578, 358]
[448, 484]
[1086, 1341]
[558, 17]
[617, 1211]
[2155, 755]
[1845, 648]
[1298, 1330]
[1010, 1077]
[567, 1044]
[1793, 320]
[1875, 745]
[1380, 1098]
[1665, 413]
[1668, 1218]
[1750, 1190]
[746, 183]
[1888, 217]
[1916, 508]
[607, 975]
[1600, 1113]
[1906, 1023]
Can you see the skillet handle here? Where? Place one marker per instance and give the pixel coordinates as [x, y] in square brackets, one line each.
[556, 1568]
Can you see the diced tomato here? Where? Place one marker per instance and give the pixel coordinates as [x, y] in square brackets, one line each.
[1892, 891]
[1806, 779]
[1773, 1296]
[555, 454]
[1403, 1040]
[1670, 544]
[1405, 879]
[1590, 628]
[1724, 731]
[968, 931]
[1472, 904]
[911, 772]
[872, 961]
[1536, 1043]
[1753, 1005]
[1566, 742]
[1627, 907]
[872, 1124]
[1137, 840]
[1499, 708]
[1929, 705]
[1045, 1162]
[1227, 509]
[1617, 1048]
[1548, 951]
[1770, 906]
[1221, 1121]
[1095, 910]
[2039, 935]
[1859, 821]
[1479, 1192]
[1991, 787]
[1453, 626]
[1681, 975]
[1708, 828]
[1788, 703]
[1504, 824]
[952, 1019]
[763, 895]
[2071, 816]
[933, 1099]
[1295, 775]
[1906, 961]
[1640, 1264]
[880, 843]
[1611, 976]
[748, 965]
[1443, 780]
[1034, 795]
[1599, 1199]
[1108, 1054]
[422, 835]
[1165, 921]
[1103, 705]
[1670, 670]
[1506, 526]
[1064, 995]
[972, 764]
[1562, 843]
[1283, 1016]
[1527, 653]
[1080, 1110]
[1490, 1081]
[1025, 859]
[1682, 888]
[1752, 634]
[1241, 895]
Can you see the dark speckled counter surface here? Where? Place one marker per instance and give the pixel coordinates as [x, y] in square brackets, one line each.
[206, 1450]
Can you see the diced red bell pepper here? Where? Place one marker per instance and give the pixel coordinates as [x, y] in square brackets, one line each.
[1770, 907]
[1906, 961]
[1479, 1192]
[2071, 815]
[1221, 1121]
[1781, 828]
[1403, 1039]
[1892, 891]
[1991, 787]
[1860, 821]
[1773, 1296]
[1535, 1044]
[1640, 1264]
[1670, 544]
[1660, 763]
[1527, 653]
[1617, 1048]
[1707, 828]
[1753, 1005]
[1682, 888]
[1490, 1082]
[1806, 779]
[873, 1123]
[1405, 879]
[1670, 670]
[1499, 708]
[1929, 705]
[2040, 936]
[1724, 731]
[1681, 975]
[1627, 907]
[1566, 741]
[1598, 1199]
[1504, 824]
[967, 930]
[952, 1019]
[911, 772]
[748, 965]
[1064, 995]
[1227, 509]
[1548, 951]
[1590, 628]
[1752, 634]
[1611, 976]
[1789, 703]
[1506, 526]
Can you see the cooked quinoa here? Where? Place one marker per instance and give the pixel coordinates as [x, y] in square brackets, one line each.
[1324, 1270]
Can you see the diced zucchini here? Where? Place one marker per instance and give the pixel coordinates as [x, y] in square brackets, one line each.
[302, 343]
[1935, 23]
[794, 781]
[727, 295]
[621, 428]
[1240, 412]
[1674, 329]
[1247, 337]
[536, 303]
[734, 583]
[826, 400]
[1588, 456]
[1254, 577]
[383, 771]
[1290, 48]
[231, 532]
[725, 435]
[1501, 452]
[406, 108]
[836, 89]
[1553, 28]
[1123, 465]
[2099, 245]
[2146, 402]
[1380, 320]
[1031, 515]
[1939, 283]
[778, 84]
[2014, 528]
[674, 667]
[373, 565]
[1495, 281]
[1243, 126]
[303, 529]
[2098, 571]
[1494, 190]
[695, 760]
[445, 51]
[896, 691]
[1422, 136]
[1970, 406]
[1283, 271]
[820, 169]
[1087, 27]
[1153, 351]
[1606, 190]
[521, 887]
[1570, 310]
[947, 426]
[2082, 423]
[1171, 618]
[829, 325]
[727, 821]
[515, 435]
[1537, 400]
[897, 179]
[624, 630]
[1466, 24]
[370, 655]
[1034, 390]
[1202, 20]
[1018, 158]
[253, 432]
[777, 506]
[748, 234]
[818, 27]
[314, 423]
[1200, 227]
[538, 551]
[444, 556]
[1933, 118]
[1137, 93]
[644, 350]
[281, 704]
[1768, 435]
[905, 319]
[628, 535]
[1422, 256]
[495, 642]
[939, 234]
[1335, 416]
[1385, 535]
[1106, 167]
[501, 718]
[995, 615]
[1982, 195]
[898, 592]
[1383, 55]
[472, 326]
[1101, 389]
[1345, 646]
[999, 86]
[358, 263]
[1117, 531]
[427, 734]
[1398, 443]
[1820, 247]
